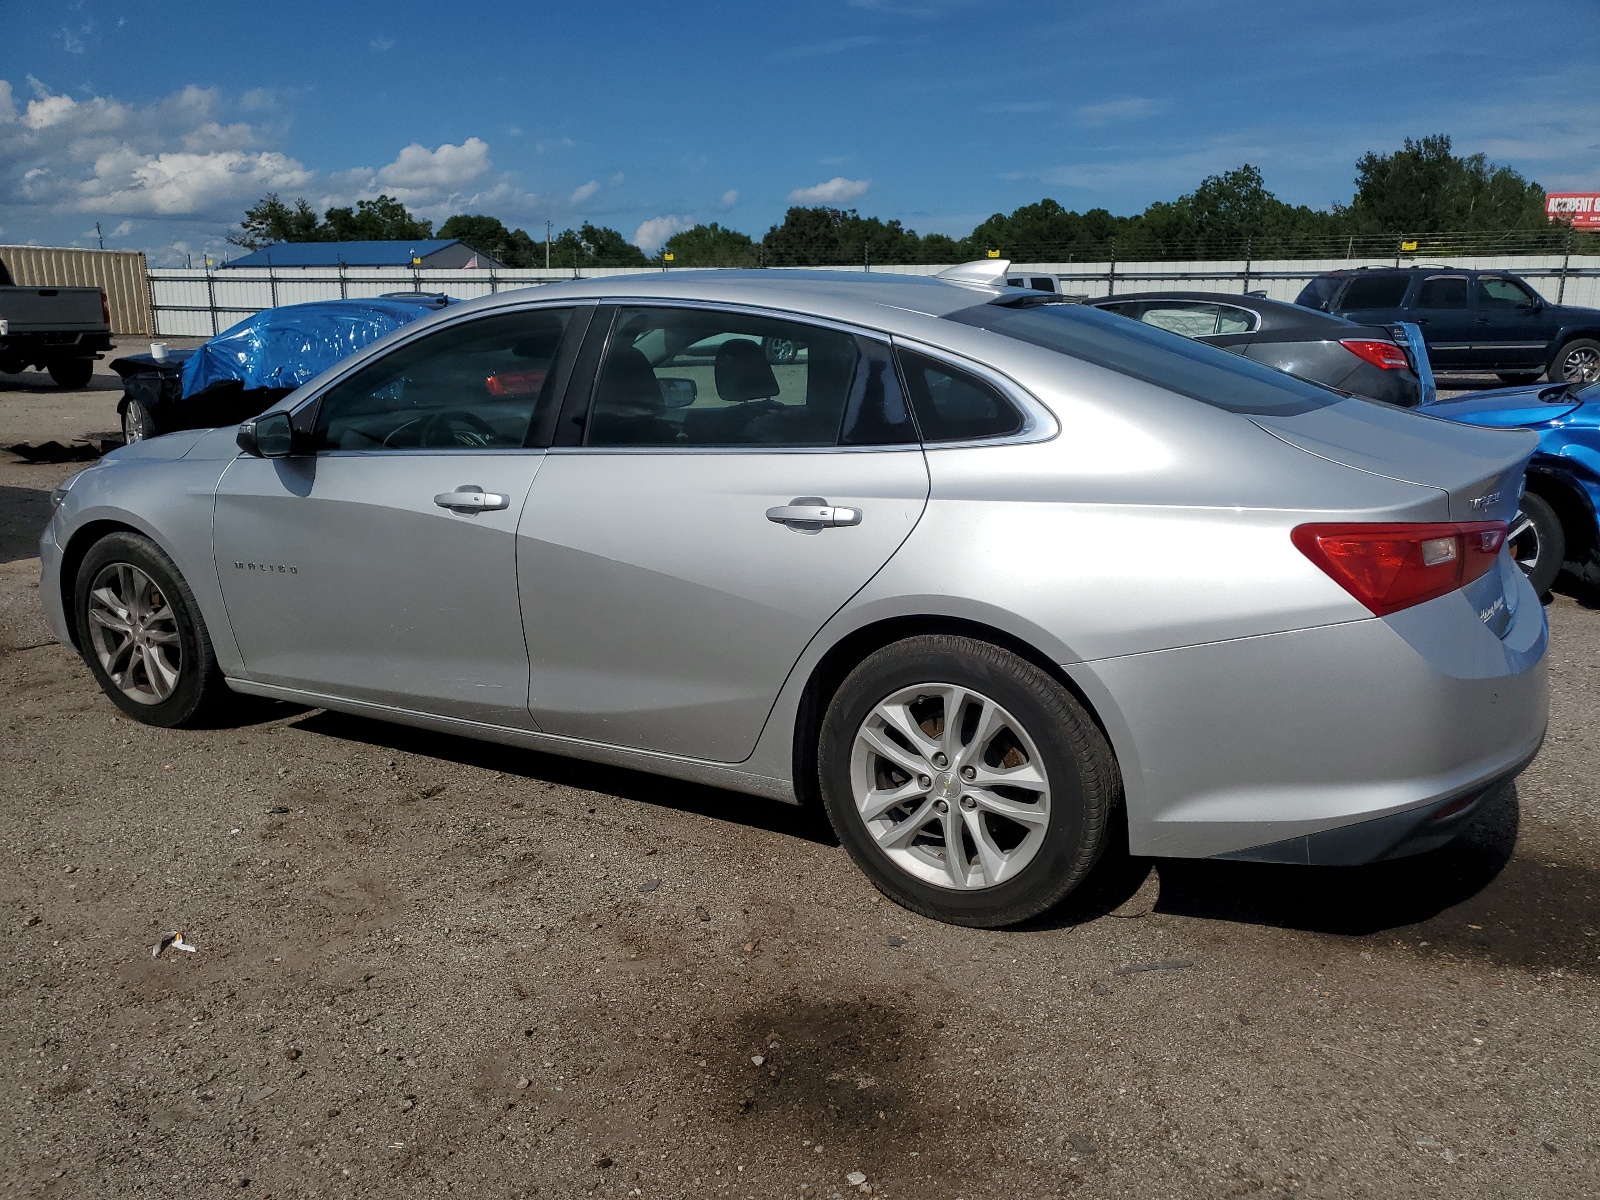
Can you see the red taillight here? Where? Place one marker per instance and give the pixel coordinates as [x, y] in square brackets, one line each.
[1383, 355]
[105, 309]
[1390, 567]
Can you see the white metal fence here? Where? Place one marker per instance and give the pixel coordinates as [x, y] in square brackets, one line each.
[198, 303]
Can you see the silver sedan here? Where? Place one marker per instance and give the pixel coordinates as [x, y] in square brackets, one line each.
[995, 579]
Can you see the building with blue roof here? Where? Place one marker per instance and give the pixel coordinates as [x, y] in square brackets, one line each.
[434, 253]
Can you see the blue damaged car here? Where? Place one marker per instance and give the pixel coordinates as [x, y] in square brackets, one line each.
[1555, 526]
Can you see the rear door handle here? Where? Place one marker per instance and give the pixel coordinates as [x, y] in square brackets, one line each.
[813, 513]
[469, 497]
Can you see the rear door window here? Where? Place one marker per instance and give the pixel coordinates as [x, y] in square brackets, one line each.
[691, 377]
[1442, 291]
[1234, 320]
[1374, 291]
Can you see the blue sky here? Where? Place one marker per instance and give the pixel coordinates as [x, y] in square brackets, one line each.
[163, 121]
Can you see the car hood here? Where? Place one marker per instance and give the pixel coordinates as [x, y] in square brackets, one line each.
[1507, 408]
[1479, 469]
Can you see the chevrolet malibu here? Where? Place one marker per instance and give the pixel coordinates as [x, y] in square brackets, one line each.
[993, 578]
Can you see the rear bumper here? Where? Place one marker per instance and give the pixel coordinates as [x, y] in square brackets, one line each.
[1340, 743]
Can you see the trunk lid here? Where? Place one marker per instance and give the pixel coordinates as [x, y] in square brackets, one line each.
[1479, 471]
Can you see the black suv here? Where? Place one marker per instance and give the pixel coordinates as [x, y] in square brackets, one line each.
[1472, 320]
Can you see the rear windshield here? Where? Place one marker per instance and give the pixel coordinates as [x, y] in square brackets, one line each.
[1168, 360]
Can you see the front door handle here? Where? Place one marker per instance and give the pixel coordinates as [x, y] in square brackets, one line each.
[812, 512]
[469, 497]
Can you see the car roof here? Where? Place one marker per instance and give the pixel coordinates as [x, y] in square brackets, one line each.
[868, 298]
[1275, 314]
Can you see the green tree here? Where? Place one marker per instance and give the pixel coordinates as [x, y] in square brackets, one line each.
[269, 220]
[711, 246]
[593, 246]
[488, 235]
[821, 237]
[382, 220]
[1424, 188]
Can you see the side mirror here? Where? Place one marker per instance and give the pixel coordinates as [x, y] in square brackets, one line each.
[678, 393]
[271, 436]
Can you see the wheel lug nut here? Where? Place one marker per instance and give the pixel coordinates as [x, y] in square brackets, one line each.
[969, 772]
[968, 803]
[940, 760]
[941, 806]
[924, 781]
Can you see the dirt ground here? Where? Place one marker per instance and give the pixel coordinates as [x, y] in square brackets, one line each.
[428, 966]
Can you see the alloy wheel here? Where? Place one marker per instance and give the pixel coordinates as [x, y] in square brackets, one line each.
[135, 423]
[950, 786]
[1524, 542]
[1581, 365]
[135, 633]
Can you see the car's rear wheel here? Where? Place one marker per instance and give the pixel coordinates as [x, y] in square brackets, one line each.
[965, 781]
[71, 372]
[1576, 362]
[141, 633]
[1537, 541]
[137, 422]
[780, 349]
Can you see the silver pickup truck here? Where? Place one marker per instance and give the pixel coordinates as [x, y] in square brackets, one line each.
[60, 329]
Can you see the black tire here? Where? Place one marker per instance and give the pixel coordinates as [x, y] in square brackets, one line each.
[1518, 378]
[780, 349]
[1539, 543]
[1085, 788]
[1578, 361]
[200, 692]
[138, 423]
[72, 372]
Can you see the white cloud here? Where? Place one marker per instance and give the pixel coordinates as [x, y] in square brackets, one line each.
[381, 44]
[123, 229]
[1119, 112]
[584, 191]
[617, 179]
[182, 183]
[837, 46]
[652, 233]
[834, 191]
[447, 167]
[729, 198]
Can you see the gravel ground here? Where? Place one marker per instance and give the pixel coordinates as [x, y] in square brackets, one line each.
[430, 966]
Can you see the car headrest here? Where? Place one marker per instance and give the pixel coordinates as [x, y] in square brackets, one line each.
[743, 373]
[628, 382]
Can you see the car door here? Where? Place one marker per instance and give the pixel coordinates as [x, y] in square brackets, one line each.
[698, 523]
[1513, 327]
[378, 562]
[1441, 307]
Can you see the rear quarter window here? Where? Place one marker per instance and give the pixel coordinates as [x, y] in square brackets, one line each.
[1168, 360]
[1374, 291]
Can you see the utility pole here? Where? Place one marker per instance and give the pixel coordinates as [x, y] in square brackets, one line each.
[547, 245]
[99, 235]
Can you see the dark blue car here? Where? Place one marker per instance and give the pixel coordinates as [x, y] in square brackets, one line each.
[1555, 525]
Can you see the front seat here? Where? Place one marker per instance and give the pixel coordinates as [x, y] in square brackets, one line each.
[742, 375]
[629, 407]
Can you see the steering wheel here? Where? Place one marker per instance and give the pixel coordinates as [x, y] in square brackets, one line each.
[441, 429]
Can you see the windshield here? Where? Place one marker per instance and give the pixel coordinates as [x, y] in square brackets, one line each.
[1168, 360]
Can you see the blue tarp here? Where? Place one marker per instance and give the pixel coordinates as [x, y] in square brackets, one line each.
[285, 347]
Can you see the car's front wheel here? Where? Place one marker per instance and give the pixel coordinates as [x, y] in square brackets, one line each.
[1537, 541]
[137, 422]
[141, 633]
[966, 782]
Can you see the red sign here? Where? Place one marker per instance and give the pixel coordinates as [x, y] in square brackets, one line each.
[1581, 210]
